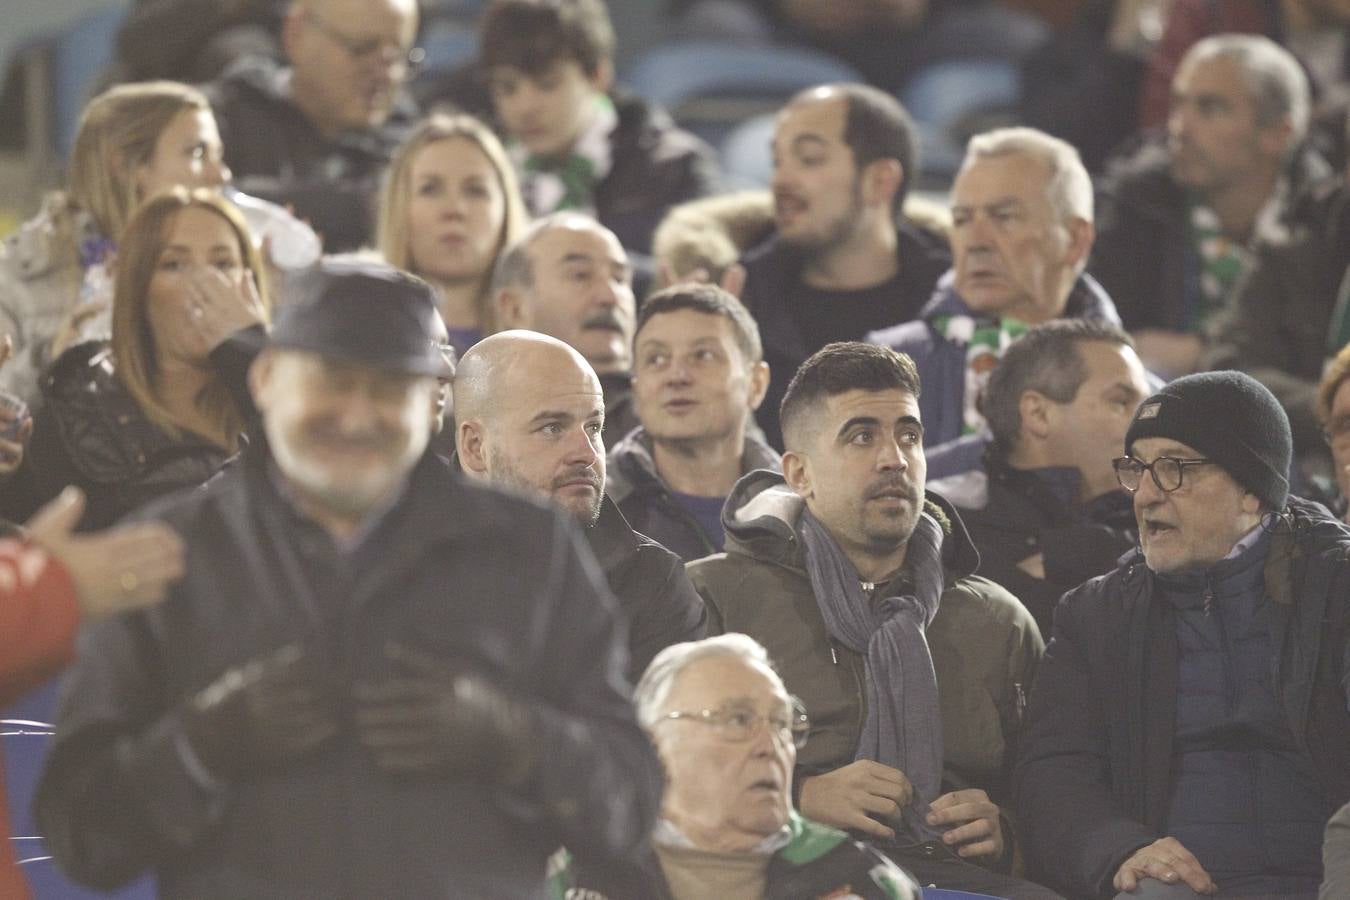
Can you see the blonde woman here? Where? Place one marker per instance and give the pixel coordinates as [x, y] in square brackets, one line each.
[162, 406]
[133, 140]
[450, 205]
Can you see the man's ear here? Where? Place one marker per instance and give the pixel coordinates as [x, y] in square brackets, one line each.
[797, 473]
[470, 444]
[291, 30]
[1251, 504]
[759, 383]
[603, 79]
[881, 179]
[1034, 409]
[259, 377]
[511, 309]
[1081, 235]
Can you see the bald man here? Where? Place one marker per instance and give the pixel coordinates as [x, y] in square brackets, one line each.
[530, 412]
[318, 134]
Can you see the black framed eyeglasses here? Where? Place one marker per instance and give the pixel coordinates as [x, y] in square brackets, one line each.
[364, 50]
[738, 724]
[1167, 471]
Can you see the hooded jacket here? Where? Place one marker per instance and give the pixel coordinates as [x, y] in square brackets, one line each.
[942, 362]
[1095, 772]
[633, 483]
[985, 644]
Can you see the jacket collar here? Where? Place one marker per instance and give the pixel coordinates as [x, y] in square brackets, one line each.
[611, 538]
[1087, 300]
[762, 515]
[632, 467]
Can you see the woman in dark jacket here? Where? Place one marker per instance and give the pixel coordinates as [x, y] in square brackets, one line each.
[163, 405]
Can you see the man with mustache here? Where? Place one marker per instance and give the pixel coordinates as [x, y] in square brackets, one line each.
[1189, 734]
[529, 414]
[375, 678]
[317, 134]
[1179, 218]
[1021, 232]
[842, 260]
[860, 586]
[569, 277]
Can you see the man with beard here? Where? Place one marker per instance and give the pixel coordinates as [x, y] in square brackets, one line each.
[529, 413]
[860, 586]
[350, 693]
[569, 277]
[1177, 220]
[842, 261]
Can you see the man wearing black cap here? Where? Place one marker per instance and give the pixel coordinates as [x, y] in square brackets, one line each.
[1189, 732]
[349, 693]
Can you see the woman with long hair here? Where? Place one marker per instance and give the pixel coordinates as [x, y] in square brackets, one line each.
[162, 406]
[133, 140]
[450, 205]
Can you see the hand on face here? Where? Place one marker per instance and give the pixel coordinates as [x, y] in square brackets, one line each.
[217, 305]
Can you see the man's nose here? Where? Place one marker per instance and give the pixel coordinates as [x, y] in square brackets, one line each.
[582, 450]
[890, 456]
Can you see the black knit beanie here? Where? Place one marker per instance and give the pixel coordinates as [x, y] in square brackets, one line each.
[1228, 417]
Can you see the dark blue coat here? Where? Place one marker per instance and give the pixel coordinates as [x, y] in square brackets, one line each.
[1094, 774]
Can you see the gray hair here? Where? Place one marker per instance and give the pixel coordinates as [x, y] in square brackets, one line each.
[1274, 80]
[1070, 185]
[654, 686]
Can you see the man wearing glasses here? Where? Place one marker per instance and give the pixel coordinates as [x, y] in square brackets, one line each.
[859, 585]
[1189, 731]
[728, 733]
[317, 135]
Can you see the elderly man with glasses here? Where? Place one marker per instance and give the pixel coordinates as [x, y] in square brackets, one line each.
[317, 134]
[728, 732]
[1189, 733]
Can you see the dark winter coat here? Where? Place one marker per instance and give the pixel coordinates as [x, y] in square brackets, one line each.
[466, 574]
[1094, 776]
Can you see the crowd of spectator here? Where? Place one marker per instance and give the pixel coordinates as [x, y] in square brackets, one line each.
[990, 537]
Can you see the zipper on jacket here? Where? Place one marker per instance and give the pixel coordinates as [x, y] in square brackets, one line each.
[834, 657]
[1209, 600]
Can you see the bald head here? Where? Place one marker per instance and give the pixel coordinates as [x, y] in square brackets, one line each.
[529, 412]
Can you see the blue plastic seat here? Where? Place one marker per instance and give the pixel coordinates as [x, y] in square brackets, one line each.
[711, 86]
[79, 55]
[747, 153]
[951, 100]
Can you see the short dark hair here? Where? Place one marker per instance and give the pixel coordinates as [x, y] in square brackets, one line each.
[710, 299]
[532, 35]
[876, 127]
[838, 368]
[1046, 360]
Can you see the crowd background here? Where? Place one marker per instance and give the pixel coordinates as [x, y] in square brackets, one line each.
[697, 88]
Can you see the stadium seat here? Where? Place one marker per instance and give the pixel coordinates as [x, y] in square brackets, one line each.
[711, 86]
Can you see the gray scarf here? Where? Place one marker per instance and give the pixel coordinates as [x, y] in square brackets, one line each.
[903, 729]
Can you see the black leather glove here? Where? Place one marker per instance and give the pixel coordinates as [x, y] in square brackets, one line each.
[430, 718]
[262, 714]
